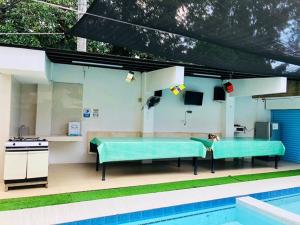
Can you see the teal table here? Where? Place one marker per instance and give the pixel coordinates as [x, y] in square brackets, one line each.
[129, 149]
[242, 147]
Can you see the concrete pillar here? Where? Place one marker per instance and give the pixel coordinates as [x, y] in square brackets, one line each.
[81, 42]
[5, 107]
[44, 110]
[148, 114]
[154, 81]
[228, 117]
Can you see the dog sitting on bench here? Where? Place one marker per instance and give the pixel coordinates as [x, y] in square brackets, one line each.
[213, 137]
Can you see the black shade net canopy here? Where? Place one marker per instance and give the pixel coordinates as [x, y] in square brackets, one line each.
[251, 36]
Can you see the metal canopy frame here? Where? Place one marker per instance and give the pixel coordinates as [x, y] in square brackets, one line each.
[140, 65]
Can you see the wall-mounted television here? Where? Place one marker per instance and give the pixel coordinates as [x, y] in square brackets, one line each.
[193, 98]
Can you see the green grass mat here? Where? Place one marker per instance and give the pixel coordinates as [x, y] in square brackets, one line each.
[56, 199]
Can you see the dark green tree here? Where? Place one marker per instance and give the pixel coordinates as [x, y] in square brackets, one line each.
[28, 16]
[19, 16]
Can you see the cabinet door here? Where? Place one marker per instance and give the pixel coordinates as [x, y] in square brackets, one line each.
[37, 165]
[15, 165]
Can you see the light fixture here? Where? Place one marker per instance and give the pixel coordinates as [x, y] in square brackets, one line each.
[228, 87]
[130, 77]
[177, 89]
[97, 64]
[186, 112]
[207, 75]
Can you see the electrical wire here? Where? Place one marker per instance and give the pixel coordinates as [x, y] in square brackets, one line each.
[59, 6]
[31, 33]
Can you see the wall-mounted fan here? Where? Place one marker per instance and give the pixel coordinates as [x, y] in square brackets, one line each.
[152, 101]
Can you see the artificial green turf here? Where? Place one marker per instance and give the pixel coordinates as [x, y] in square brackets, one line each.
[56, 199]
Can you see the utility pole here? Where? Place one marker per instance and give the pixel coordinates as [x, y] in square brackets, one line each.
[81, 42]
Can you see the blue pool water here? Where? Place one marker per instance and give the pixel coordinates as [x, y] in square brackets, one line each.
[214, 216]
[215, 212]
[289, 203]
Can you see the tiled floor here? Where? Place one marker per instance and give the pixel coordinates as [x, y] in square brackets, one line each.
[81, 177]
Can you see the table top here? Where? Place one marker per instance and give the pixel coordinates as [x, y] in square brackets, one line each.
[121, 149]
[242, 147]
[99, 140]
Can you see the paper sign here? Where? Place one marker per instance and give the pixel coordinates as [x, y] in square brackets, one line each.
[275, 126]
[86, 113]
[95, 113]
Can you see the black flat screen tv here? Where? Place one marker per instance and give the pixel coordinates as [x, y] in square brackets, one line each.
[193, 98]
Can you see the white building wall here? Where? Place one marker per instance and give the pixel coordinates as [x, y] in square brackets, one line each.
[169, 114]
[106, 90]
[248, 111]
[164, 78]
[117, 100]
[258, 86]
[28, 101]
[5, 100]
[28, 65]
[291, 102]
[121, 110]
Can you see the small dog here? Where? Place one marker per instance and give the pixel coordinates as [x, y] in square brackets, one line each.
[213, 137]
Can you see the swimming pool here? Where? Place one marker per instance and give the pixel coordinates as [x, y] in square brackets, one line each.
[214, 212]
[290, 203]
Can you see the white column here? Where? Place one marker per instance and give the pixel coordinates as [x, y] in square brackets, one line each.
[147, 114]
[81, 42]
[44, 110]
[154, 81]
[5, 102]
[228, 117]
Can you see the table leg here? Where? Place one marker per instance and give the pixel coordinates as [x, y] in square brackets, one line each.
[212, 163]
[195, 162]
[178, 162]
[103, 171]
[97, 161]
[276, 161]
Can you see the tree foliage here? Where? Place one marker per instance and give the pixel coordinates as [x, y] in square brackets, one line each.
[25, 16]
[28, 16]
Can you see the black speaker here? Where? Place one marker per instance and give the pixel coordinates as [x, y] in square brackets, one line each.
[158, 93]
[219, 94]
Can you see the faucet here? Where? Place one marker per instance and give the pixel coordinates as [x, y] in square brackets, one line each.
[186, 112]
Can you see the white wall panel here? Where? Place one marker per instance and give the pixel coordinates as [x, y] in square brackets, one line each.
[258, 86]
[5, 100]
[169, 114]
[164, 78]
[283, 103]
[27, 65]
[248, 111]
[15, 107]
